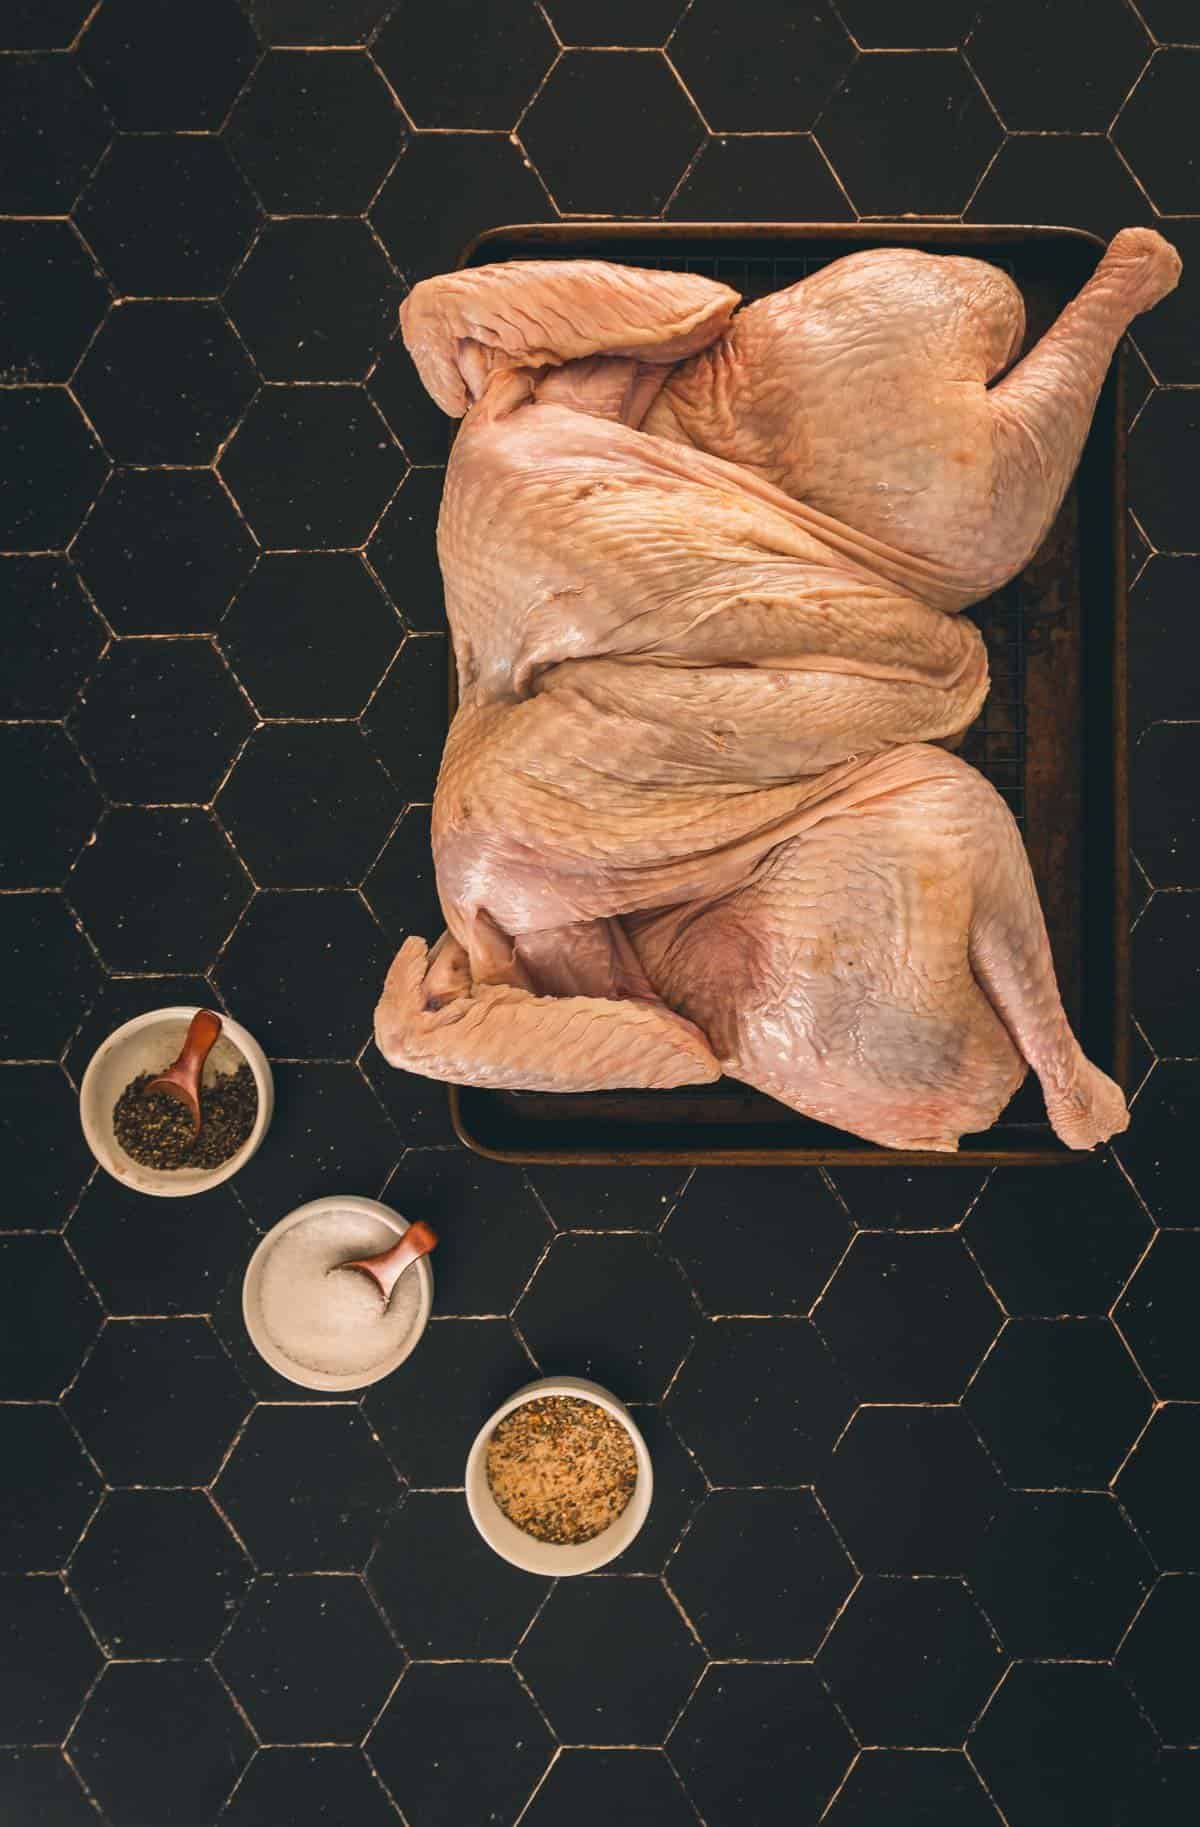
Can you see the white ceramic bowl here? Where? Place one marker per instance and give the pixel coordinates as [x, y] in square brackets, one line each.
[265, 1345]
[511, 1543]
[149, 1043]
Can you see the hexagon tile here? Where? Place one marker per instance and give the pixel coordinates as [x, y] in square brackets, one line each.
[923, 1544]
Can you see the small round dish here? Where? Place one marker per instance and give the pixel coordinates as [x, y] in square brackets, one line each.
[149, 1043]
[278, 1359]
[552, 1558]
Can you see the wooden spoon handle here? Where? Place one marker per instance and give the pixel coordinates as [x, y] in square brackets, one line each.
[202, 1036]
[417, 1241]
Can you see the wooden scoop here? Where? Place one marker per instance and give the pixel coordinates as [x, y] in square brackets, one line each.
[182, 1080]
[386, 1269]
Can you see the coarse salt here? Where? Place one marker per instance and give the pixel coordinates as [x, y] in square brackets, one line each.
[328, 1319]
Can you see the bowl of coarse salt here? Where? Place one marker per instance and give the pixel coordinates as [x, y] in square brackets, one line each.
[323, 1326]
[559, 1480]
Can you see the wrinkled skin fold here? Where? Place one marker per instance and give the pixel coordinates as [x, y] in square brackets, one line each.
[698, 811]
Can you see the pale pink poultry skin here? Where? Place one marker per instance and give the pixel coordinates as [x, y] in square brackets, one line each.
[695, 814]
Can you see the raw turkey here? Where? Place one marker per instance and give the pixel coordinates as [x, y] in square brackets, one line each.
[699, 810]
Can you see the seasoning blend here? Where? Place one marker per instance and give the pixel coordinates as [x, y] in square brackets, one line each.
[559, 1480]
[561, 1469]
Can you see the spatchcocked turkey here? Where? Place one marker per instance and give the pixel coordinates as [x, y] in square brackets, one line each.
[696, 813]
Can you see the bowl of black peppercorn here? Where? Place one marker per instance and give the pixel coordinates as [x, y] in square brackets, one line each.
[146, 1139]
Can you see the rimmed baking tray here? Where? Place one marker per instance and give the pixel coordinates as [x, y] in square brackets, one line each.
[1052, 737]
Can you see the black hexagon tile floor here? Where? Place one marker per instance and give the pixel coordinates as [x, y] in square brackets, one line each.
[165, 382]
[163, 551]
[403, 551]
[752, 70]
[1069, 69]
[331, 836]
[315, 301]
[445, 189]
[1064, 1742]
[920, 1438]
[1158, 1657]
[399, 887]
[760, 1573]
[909, 133]
[283, 940]
[442, 1589]
[51, 340]
[141, 1776]
[761, 1742]
[158, 1574]
[177, 73]
[292, 656]
[53, 468]
[907, 1318]
[39, 1278]
[308, 1490]
[58, 806]
[617, 1198]
[191, 889]
[635, 1786]
[170, 1258]
[44, 170]
[1073, 1255]
[49, 1660]
[310, 1659]
[149, 247]
[289, 501]
[1059, 1403]
[446, 77]
[328, 1130]
[1164, 818]
[741, 177]
[614, 1307]
[289, 132]
[608, 1696]
[911, 1660]
[428, 1413]
[160, 722]
[42, 1150]
[942, 1489]
[911, 1785]
[416, 1746]
[405, 722]
[1079, 178]
[50, 636]
[50, 1490]
[289, 1782]
[1164, 1509]
[39, 1784]
[761, 1243]
[1060, 1574]
[760, 1401]
[569, 120]
[1155, 1315]
[158, 1402]
[492, 1228]
[420, 425]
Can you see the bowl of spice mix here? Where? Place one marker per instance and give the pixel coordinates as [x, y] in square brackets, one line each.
[146, 1141]
[559, 1480]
